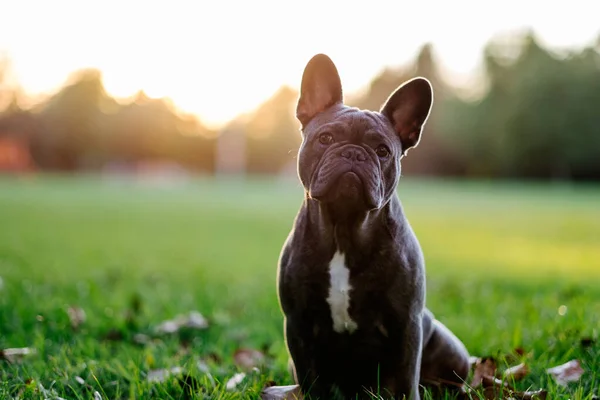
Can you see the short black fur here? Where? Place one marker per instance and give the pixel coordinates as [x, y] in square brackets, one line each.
[349, 165]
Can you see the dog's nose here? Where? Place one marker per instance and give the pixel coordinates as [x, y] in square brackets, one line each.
[353, 154]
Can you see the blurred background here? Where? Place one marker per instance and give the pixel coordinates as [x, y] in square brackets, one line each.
[205, 88]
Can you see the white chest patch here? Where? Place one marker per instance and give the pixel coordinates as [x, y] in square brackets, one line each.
[339, 294]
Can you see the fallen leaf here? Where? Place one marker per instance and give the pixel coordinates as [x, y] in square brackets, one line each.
[97, 396]
[161, 375]
[76, 316]
[235, 380]
[484, 367]
[16, 354]
[114, 335]
[517, 372]
[82, 382]
[248, 358]
[290, 392]
[535, 394]
[568, 372]
[49, 393]
[519, 351]
[168, 327]
[473, 360]
[193, 320]
[494, 388]
[203, 367]
[141, 338]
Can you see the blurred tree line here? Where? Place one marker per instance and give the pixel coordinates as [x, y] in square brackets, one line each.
[538, 117]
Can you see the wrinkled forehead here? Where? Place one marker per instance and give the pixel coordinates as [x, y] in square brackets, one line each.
[350, 119]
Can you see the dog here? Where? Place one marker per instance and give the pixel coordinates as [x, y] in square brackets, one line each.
[351, 275]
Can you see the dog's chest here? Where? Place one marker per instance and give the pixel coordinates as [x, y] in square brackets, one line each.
[340, 291]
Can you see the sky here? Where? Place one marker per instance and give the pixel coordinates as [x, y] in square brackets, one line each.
[220, 58]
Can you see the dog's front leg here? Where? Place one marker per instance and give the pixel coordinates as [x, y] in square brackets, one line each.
[407, 369]
[303, 366]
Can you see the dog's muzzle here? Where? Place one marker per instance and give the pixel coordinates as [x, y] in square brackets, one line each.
[347, 174]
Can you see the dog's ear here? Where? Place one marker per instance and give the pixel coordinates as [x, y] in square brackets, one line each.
[408, 109]
[321, 88]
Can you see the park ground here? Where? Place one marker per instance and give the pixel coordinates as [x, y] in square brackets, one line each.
[510, 265]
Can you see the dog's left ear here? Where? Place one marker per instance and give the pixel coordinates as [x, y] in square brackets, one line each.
[408, 109]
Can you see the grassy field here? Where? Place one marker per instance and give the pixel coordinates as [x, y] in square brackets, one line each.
[501, 261]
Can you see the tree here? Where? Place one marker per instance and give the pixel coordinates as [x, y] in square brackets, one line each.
[538, 118]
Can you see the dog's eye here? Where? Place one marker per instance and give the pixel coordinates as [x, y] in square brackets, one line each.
[382, 151]
[325, 138]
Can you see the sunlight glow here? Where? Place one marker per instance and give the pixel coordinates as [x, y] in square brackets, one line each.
[220, 59]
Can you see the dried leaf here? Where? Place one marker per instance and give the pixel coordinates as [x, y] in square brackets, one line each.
[76, 316]
[48, 393]
[494, 393]
[16, 354]
[484, 367]
[517, 372]
[248, 358]
[568, 372]
[193, 320]
[235, 380]
[473, 361]
[161, 375]
[141, 338]
[290, 392]
[97, 396]
[203, 367]
[535, 394]
[494, 388]
[170, 326]
[114, 335]
[519, 351]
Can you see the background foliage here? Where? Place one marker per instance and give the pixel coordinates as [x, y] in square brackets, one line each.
[537, 118]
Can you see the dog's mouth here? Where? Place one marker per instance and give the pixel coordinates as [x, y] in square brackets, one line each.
[349, 185]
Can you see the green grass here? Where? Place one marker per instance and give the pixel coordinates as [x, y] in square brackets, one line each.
[501, 259]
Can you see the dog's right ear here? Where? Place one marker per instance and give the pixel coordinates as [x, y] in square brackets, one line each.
[321, 88]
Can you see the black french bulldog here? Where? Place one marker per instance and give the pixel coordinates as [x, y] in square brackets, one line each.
[351, 277]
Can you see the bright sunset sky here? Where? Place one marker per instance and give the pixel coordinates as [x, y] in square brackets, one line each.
[220, 58]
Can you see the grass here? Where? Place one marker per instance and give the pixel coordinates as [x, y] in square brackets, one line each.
[501, 259]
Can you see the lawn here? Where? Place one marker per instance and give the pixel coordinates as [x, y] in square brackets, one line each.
[509, 265]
